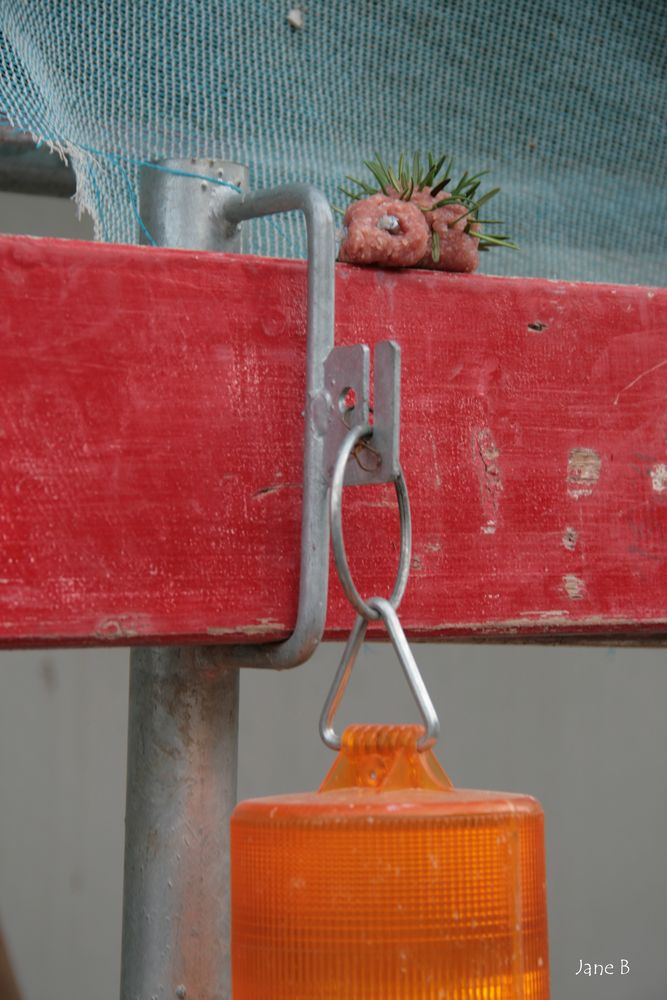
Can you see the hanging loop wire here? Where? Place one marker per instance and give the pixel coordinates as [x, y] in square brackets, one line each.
[376, 607]
[384, 610]
[352, 441]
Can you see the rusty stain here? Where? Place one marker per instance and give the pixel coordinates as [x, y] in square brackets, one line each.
[570, 539]
[658, 476]
[168, 749]
[417, 563]
[574, 587]
[583, 471]
[490, 479]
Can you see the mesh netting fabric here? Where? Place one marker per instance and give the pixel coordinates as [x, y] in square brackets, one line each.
[564, 100]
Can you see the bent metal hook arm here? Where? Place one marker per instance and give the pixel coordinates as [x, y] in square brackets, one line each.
[314, 571]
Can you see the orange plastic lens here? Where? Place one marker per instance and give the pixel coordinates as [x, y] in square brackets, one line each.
[389, 883]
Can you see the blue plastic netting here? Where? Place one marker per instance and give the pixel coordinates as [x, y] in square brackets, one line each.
[564, 100]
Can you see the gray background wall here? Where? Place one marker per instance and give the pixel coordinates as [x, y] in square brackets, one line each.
[581, 729]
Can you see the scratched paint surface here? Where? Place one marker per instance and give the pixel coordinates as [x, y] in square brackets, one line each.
[150, 432]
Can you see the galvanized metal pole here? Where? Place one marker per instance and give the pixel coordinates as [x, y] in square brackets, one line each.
[181, 204]
[183, 719]
[181, 789]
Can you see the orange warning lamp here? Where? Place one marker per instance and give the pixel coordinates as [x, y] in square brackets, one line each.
[389, 884]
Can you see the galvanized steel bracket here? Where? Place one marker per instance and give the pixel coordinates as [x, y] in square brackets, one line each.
[330, 374]
[347, 404]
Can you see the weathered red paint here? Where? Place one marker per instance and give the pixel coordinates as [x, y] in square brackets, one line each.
[151, 436]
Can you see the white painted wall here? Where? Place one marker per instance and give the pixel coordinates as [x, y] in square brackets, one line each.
[582, 729]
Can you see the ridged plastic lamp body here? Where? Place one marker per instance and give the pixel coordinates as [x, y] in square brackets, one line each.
[389, 884]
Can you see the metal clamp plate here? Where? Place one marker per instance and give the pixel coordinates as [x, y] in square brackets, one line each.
[346, 372]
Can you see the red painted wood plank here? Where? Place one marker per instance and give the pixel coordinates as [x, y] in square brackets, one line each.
[150, 432]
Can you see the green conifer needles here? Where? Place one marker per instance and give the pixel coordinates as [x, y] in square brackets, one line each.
[433, 175]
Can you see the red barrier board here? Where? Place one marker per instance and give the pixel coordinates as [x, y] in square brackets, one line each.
[151, 435]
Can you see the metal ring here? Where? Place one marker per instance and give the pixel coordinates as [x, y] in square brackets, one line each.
[415, 680]
[335, 510]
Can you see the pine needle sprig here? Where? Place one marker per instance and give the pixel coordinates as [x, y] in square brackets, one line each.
[435, 174]
[487, 241]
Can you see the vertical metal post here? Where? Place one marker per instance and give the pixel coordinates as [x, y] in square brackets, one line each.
[183, 720]
[181, 789]
[182, 202]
